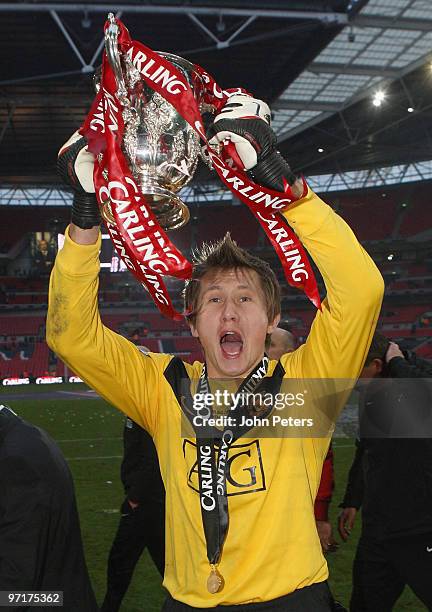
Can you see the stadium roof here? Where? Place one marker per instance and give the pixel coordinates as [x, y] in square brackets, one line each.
[326, 118]
[319, 64]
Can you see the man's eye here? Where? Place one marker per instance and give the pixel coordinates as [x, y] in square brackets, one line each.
[215, 300]
[245, 298]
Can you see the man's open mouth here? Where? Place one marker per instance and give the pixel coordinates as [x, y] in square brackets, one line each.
[231, 344]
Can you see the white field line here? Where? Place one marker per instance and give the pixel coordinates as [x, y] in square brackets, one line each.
[119, 438]
[335, 445]
[121, 456]
[343, 445]
[80, 393]
[89, 439]
[93, 458]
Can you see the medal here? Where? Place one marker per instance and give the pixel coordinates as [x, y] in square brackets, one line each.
[215, 582]
[213, 465]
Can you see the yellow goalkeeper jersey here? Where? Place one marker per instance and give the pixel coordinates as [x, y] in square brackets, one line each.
[272, 547]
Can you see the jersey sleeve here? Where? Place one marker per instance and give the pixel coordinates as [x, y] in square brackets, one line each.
[106, 361]
[341, 332]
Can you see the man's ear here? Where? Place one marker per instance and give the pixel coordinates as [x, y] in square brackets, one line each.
[378, 365]
[272, 326]
[193, 329]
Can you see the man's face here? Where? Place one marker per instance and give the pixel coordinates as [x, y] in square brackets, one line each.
[43, 246]
[232, 323]
[282, 341]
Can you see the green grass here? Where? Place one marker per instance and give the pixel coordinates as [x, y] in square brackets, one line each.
[89, 433]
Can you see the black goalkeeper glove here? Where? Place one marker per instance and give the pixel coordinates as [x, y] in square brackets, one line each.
[75, 165]
[245, 122]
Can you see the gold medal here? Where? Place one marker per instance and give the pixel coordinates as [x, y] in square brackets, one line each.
[215, 582]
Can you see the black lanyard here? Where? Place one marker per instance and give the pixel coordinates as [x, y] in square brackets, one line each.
[212, 473]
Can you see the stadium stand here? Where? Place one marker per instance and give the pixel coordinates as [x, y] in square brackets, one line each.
[373, 219]
[393, 228]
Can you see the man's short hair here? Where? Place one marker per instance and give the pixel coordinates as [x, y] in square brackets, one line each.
[285, 325]
[227, 255]
[378, 348]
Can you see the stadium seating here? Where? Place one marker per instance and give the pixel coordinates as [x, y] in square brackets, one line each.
[35, 362]
[373, 219]
[126, 308]
[23, 325]
[241, 225]
[417, 219]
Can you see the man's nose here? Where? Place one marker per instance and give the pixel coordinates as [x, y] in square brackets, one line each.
[229, 312]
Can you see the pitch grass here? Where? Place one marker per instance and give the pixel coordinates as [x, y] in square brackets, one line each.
[89, 433]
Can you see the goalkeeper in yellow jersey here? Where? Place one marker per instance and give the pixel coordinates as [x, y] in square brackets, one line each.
[240, 527]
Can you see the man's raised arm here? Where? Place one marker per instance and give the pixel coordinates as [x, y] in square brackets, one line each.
[342, 331]
[109, 363]
[84, 236]
[106, 361]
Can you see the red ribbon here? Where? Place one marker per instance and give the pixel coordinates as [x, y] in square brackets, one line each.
[137, 230]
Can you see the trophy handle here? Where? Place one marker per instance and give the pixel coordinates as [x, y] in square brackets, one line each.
[113, 55]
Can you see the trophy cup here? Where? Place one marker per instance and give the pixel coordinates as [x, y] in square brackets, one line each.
[160, 147]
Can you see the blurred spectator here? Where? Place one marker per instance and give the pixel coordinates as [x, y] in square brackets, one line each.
[391, 479]
[142, 519]
[40, 537]
[283, 341]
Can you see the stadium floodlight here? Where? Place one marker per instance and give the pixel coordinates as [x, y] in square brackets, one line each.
[410, 109]
[379, 97]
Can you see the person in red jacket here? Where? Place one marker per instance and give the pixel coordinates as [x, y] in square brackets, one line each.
[322, 504]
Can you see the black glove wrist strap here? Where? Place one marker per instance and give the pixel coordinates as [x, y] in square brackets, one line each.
[85, 210]
[270, 172]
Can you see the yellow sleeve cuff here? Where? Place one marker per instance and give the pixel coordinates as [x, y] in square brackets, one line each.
[79, 259]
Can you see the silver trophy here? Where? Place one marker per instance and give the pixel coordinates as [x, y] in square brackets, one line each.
[160, 147]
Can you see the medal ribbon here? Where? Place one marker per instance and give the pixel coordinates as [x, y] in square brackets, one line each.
[212, 473]
[214, 507]
[136, 229]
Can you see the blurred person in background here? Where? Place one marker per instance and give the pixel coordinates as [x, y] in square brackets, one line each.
[142, 513]
[40, 537]
[281, 341]
[391, 480]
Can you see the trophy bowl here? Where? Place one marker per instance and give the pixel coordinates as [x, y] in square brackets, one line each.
[160, 147]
